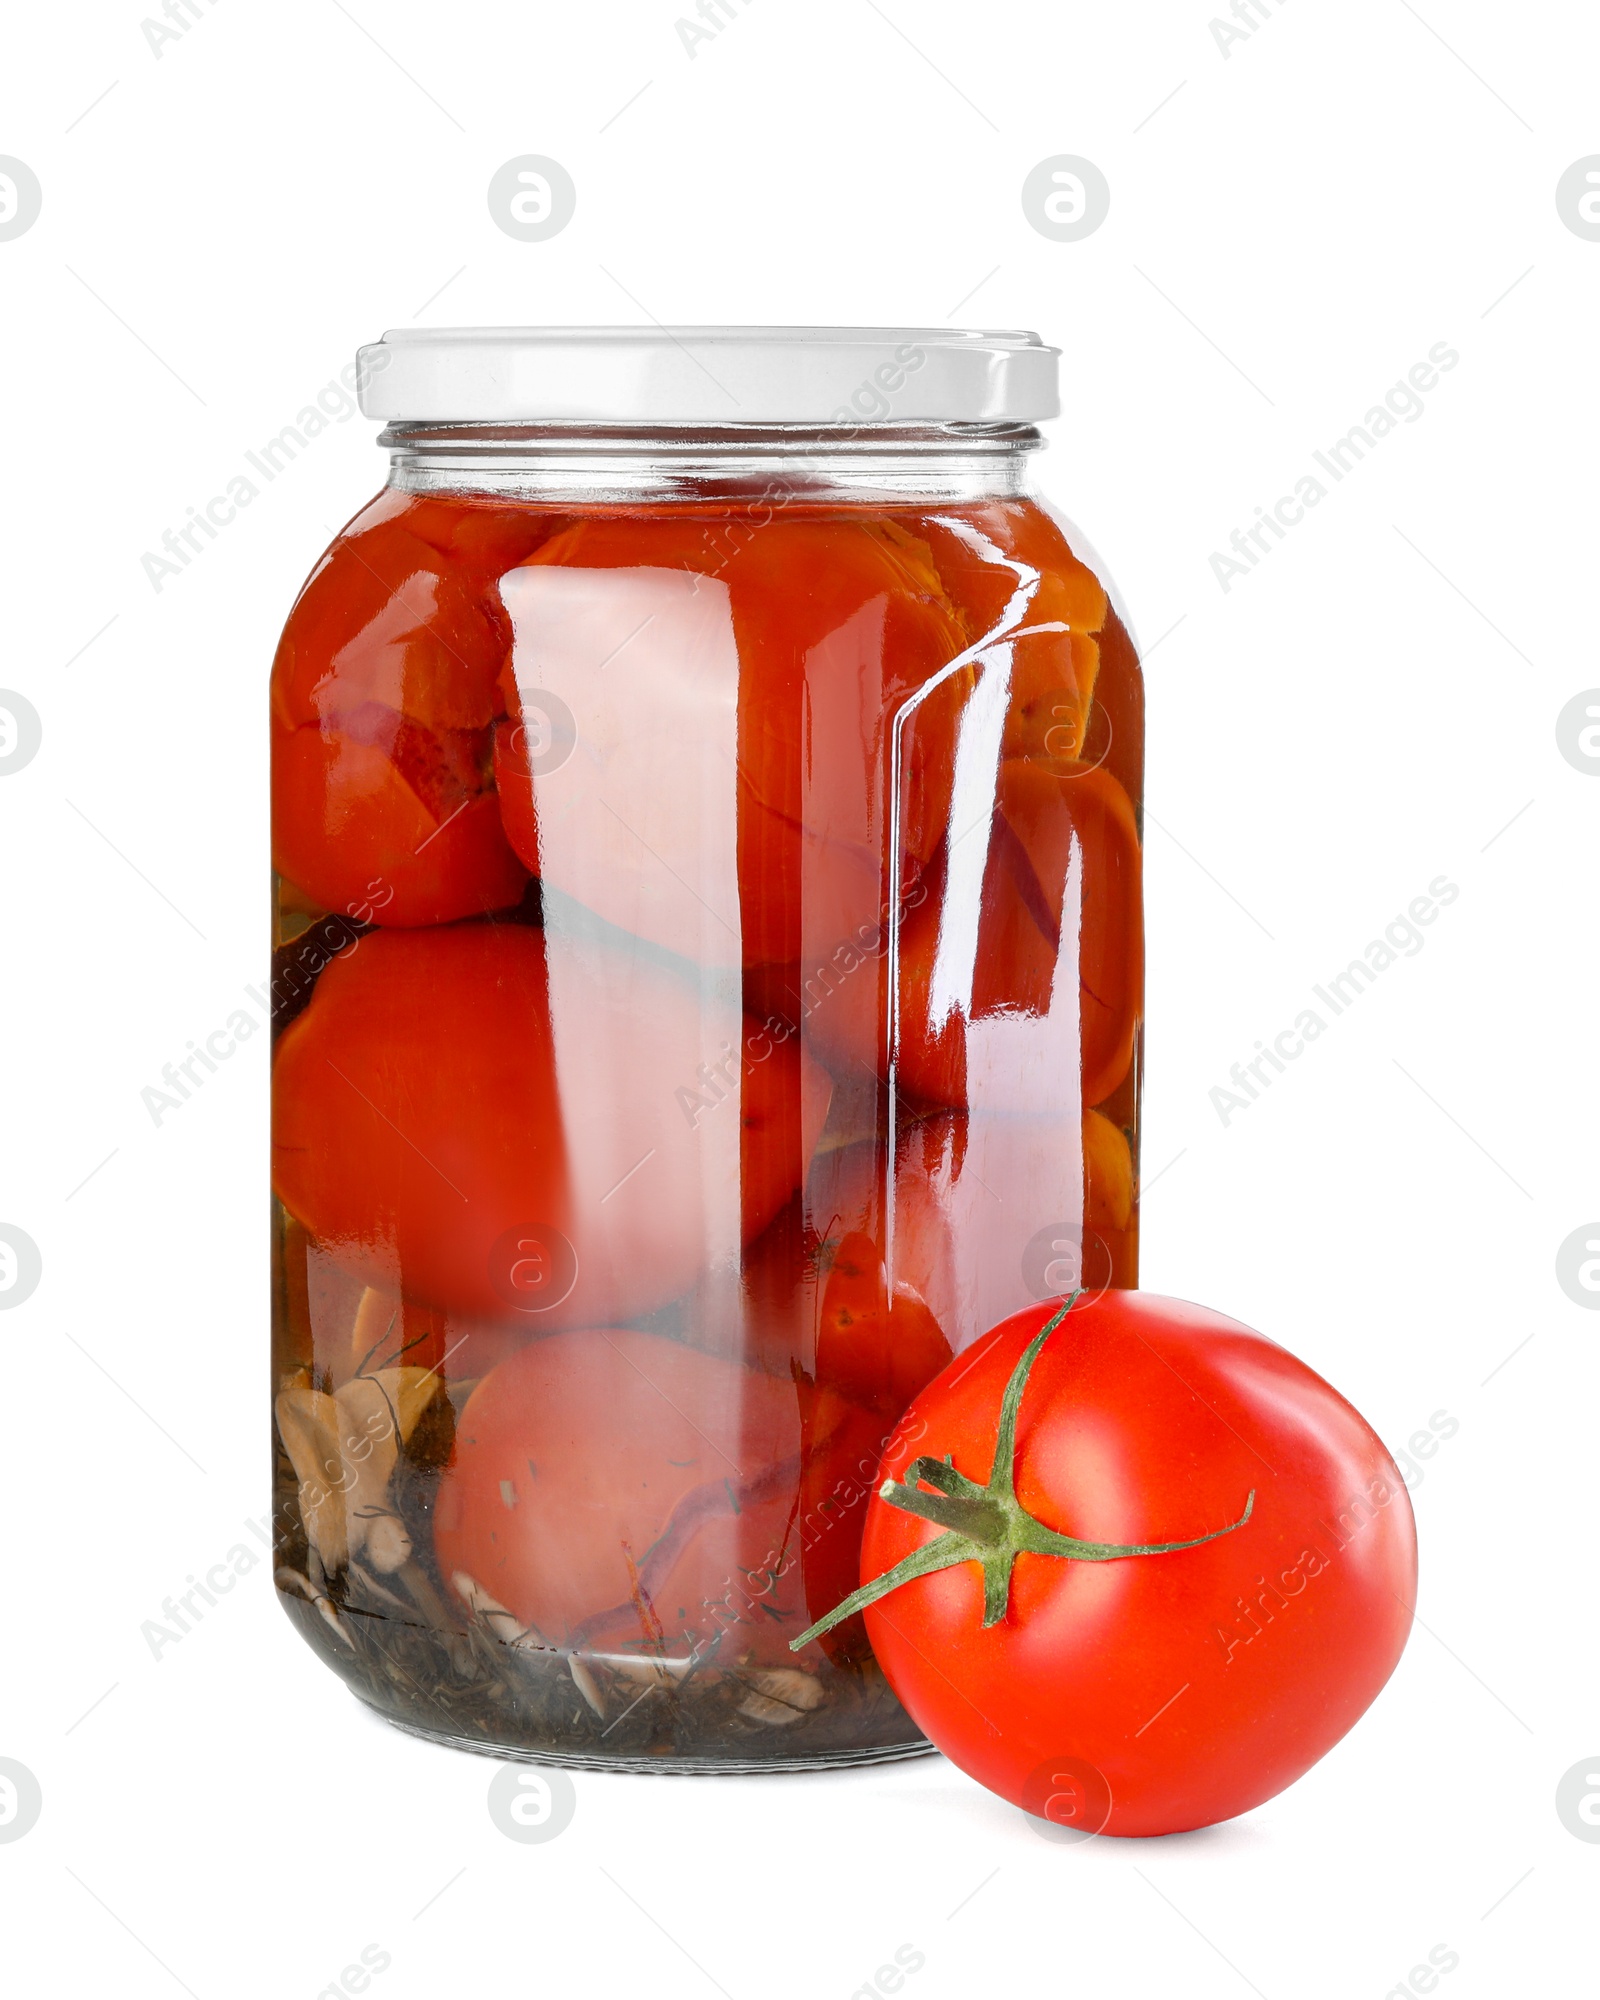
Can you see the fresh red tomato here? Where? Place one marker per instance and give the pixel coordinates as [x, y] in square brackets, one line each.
[503, 1123]
[759, 654]
[383, 697]
[986, 1019]
[1134, 1567]
[623, 1493]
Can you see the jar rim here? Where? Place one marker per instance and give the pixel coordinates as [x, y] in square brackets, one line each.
[592, 463]
[724, 376]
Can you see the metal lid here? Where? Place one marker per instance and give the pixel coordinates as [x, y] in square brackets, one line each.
[709, 375]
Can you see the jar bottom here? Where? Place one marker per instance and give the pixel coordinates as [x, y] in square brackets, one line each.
[667, 1764]
[602, 1713]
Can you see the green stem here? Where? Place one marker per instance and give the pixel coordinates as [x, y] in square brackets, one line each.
[987, 1524]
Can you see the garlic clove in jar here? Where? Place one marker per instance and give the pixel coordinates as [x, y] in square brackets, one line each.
[309, 1423]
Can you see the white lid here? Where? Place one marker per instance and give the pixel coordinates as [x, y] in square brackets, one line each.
[709, 375]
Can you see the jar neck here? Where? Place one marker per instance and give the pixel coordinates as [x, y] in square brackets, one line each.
[921, 463]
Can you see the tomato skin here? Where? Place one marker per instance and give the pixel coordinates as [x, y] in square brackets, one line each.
[1119, 692]
[1149, 1420]
[383, 699]
[1062, 887]
[620, 1491]
[356, 837]
[421, 1116]
[970, 1194]
[1060, 613]
[485, 537]
[874, 1350]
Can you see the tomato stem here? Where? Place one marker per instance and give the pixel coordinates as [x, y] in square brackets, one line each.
[987, 1524]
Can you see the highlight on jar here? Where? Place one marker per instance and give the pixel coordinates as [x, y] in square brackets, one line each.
[708, 975]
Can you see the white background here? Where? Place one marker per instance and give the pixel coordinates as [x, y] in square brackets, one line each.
[1292, 226]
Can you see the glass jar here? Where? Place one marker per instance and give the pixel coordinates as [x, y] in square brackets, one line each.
[707, 983]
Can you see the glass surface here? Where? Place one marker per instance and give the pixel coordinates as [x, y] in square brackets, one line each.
[707, 987]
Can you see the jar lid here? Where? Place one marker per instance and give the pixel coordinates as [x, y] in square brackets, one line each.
[860, 375]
